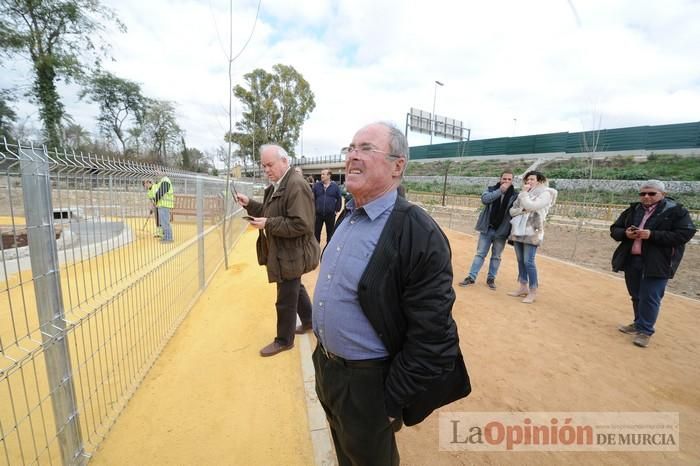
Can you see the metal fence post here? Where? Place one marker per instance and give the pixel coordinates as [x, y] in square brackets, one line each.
[36, 191]
[200, 230]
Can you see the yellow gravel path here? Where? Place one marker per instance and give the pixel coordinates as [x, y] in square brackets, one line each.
[210, 399]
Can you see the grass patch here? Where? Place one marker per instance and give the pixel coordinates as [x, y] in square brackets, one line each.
[667, 167]
[689, 200]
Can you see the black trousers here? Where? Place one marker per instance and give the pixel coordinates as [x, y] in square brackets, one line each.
[353, 399]
[292, 299]
[329, 220]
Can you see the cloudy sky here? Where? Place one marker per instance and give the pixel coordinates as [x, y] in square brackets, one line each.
[509, 67]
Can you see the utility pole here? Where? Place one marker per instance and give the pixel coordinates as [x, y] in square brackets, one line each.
[432, 129]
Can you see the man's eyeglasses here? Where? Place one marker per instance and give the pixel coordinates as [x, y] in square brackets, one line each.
[367, 150]
[646, 193]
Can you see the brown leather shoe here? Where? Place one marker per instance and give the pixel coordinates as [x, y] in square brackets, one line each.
[303, 328]
[274, 348]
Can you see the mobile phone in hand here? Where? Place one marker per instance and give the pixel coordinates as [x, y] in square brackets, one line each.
[634, 227]
[248, 217]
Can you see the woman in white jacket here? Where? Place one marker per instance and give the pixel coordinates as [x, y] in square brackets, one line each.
[528, 214]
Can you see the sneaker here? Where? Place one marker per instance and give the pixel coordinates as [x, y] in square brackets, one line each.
[642, 340]
[467, 281]
[630, 329]
[491, 283]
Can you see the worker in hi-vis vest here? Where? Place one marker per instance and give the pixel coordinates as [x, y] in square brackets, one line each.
[165, 200]
[151, 189]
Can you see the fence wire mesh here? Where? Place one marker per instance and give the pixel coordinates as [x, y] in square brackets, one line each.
[576, 232]
[89, 296]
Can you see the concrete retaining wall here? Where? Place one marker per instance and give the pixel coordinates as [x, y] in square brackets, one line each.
[603, 185]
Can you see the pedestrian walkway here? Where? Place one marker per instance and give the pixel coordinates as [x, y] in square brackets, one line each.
[210, 399]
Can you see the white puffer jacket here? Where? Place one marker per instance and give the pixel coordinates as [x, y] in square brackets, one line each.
[529, 213]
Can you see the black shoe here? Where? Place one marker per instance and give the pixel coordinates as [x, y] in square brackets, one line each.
[467, 281]
[491, 283]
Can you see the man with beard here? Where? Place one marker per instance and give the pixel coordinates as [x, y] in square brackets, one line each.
[493, 226]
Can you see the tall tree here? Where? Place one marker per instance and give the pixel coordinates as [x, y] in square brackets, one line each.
[120, 101]
[161, 129]
[8, 117]
[275, 107]
[57, 35]
[76, 136]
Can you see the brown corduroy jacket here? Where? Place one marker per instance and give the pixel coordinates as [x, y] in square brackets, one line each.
[287, 247]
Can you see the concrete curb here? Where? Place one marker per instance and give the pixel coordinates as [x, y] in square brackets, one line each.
[318, 426]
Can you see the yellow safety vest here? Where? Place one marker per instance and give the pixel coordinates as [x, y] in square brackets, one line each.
[152, 191]
[167, 200]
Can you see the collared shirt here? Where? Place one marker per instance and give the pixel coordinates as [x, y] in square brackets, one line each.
[277, 183]
[338, 320]
[637, 245]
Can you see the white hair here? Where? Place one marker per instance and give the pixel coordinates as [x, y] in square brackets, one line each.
[281, 153]
[654, 184]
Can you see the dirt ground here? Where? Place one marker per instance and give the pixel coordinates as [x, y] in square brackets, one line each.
[587, 244]
[564, 353]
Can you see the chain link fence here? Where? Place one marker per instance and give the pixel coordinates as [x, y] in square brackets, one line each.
[89, 297]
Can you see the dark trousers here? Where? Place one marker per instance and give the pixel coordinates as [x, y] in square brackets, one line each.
[353, 399]
[329, 220]
[292, 299]
[646, 294]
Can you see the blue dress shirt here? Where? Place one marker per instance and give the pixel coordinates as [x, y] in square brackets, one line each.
[338, 320]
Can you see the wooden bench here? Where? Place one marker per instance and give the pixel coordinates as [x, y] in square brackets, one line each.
[186, 205]
[16, 237]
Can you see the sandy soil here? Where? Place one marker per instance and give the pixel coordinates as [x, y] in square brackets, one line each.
[587, 244]
[563, 353]
[210, 399]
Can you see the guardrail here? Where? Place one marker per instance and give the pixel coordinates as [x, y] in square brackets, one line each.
[88, 297]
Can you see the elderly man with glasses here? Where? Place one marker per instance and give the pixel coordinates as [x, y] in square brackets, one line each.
[652, 235]
[388, 349]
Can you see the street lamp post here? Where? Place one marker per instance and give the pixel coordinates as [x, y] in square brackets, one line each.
[432, 127]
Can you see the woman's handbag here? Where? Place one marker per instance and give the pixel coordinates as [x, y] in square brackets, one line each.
[520, 225]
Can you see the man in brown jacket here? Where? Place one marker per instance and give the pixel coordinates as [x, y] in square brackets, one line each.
[286, 243]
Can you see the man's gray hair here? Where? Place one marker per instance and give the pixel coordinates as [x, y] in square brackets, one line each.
[281, 153]
[398, 144]
[654, 184]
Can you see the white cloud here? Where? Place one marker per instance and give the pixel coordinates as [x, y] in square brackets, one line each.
[633, 62]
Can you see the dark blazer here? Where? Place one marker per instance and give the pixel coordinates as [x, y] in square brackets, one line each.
[287, 247]
[406, 293]
[671, 227]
